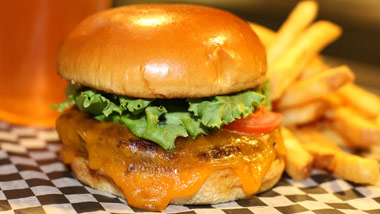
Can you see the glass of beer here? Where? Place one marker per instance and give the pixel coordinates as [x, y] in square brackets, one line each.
[30, 34]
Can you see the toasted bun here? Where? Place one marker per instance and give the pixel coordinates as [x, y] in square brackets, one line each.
[222, 186]
[163, 51]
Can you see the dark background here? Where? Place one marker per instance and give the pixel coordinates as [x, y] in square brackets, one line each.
[359, 45]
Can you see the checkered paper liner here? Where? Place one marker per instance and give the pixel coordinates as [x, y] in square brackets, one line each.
[34, 180]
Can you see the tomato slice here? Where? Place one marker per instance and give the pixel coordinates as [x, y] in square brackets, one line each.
[260, 121]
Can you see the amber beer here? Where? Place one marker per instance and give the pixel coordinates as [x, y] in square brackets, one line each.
[30, 34]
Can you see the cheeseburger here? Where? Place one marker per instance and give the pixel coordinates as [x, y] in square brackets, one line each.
[170, 105]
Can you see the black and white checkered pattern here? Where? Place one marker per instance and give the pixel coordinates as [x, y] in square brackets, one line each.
[34, 180]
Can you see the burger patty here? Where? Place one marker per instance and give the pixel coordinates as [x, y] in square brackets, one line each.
[149, 175]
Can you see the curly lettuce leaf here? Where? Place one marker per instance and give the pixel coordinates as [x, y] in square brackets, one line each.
[94, 103]
[164, 120]
[222, 110]
[71, 92]
[265, 90]
[160, 126]
[135, 106]
[163, 132]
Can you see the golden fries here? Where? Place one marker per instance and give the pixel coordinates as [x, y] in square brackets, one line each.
[303, 114]
[316, 87]
[366, 102]
[330, 157]
[373, 153]
[319, 104]
[266, 35]
[301, 16]
[334, 100]
[298, 160]
[325, 128]
[356, 169]
[287, 68]
[357, 130]
[314, 66]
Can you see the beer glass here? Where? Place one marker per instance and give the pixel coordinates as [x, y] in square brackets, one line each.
[30, 34]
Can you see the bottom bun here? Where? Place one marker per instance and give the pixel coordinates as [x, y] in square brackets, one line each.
[221, 186]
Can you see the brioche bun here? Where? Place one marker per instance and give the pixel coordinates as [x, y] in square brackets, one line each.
[163, 51]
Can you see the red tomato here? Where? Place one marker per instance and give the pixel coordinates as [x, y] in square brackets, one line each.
[260, 121]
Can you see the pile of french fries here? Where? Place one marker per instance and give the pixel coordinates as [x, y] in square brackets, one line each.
[324, 111]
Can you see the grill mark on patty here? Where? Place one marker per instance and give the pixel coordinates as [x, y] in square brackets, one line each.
[121, 142]
[132, 168]
[219, 152]
[142, 145]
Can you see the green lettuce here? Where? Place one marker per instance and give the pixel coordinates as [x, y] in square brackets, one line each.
[163, 120]
[221, 110]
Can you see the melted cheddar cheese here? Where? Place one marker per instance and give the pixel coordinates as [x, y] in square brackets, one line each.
[149, 175]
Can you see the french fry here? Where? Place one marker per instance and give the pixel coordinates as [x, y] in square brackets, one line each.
[366, 102]
[373, 153]
[334, 100]
[303, 114]
[357, 169]
[329, 156]
[301, 16]
[288, 67]
[315, 66]
[322, 152]
[377, 121]
[314, 88]
[265, 34]
[356, 129]
[298, 160]
[325, 128]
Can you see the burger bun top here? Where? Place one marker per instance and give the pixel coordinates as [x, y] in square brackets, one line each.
[163, 51]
